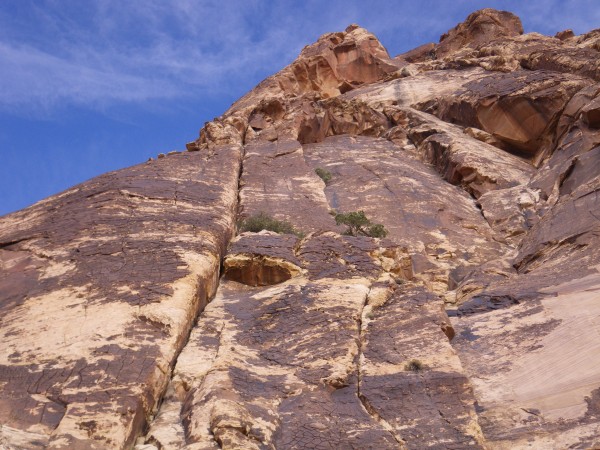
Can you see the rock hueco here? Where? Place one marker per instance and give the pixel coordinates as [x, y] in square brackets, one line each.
[134, 313]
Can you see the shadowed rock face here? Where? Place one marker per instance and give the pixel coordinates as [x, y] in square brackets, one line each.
[259, 271]
[472, 324]
[520, 108]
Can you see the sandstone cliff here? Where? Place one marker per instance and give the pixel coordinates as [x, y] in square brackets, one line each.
[134, 314]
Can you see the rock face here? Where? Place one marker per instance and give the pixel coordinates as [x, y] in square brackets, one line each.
[479, 28]
[472, 324]
[100, 287]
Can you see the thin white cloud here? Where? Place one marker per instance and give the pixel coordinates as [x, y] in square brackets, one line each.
[102, 52]
[34, 79]
[133, 52]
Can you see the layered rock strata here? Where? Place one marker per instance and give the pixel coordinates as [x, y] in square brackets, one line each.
[472, 324]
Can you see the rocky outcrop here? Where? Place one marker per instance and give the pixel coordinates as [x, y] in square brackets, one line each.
[336, 63]
[465, 161]
[494, 40]
[471, 324]
[100, 287]
[479, 28]
[262, 260]
[520, 108]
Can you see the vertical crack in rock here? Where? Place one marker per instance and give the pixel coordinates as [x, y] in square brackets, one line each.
[308, 164]
[380, 178]
[239, 207]
[118, 273]
[362, 327]
[185, 342]
[171, 369]
[201, 304]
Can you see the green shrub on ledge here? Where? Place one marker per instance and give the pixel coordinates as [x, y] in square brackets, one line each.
[325, 175]
[414, 365]
[263, 221]
[359, 225]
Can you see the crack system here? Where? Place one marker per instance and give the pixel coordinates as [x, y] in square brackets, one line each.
[359, 371]
[199, 309]
[361, 326]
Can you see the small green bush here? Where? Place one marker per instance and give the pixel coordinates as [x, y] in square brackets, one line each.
[325, 175]
[358, 224]
[262, 221]
[414, 365]
[377, 230]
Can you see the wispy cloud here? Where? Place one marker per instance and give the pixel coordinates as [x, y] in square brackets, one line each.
[131, 51]
[96, 53]
[102, 52]
[35, 79]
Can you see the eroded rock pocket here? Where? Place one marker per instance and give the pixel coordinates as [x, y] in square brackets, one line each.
[258, 270]
[262, 259]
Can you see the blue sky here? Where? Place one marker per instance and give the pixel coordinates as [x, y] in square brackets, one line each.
[88, 86]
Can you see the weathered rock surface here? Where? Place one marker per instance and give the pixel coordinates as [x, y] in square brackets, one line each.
[520, 108]
[462, 160]
[472, 324]
[480, 27]
[262, 260]
[252, 377]
[100, 287]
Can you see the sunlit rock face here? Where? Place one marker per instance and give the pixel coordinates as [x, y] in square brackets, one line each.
[137, 314]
